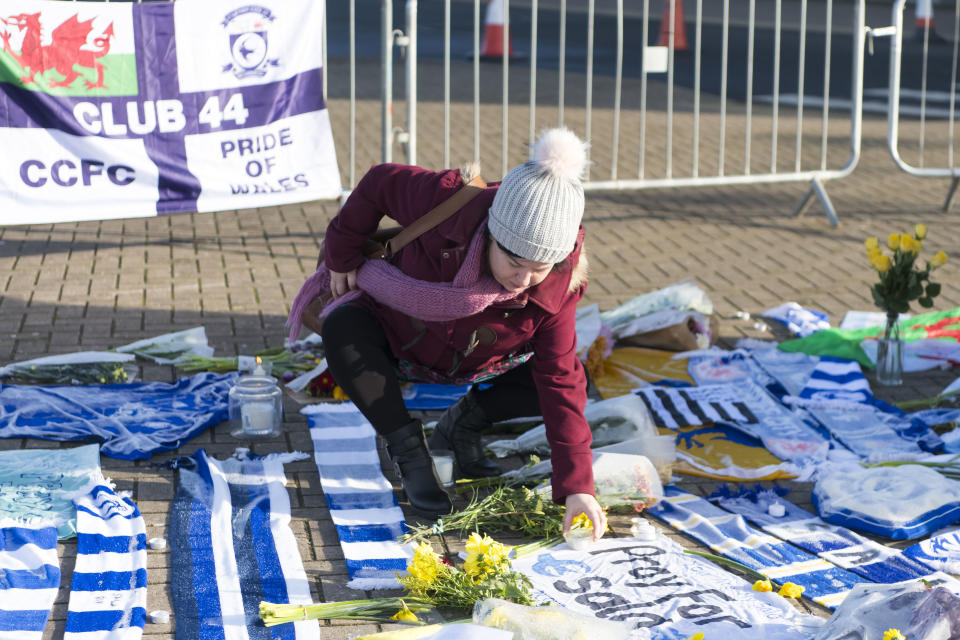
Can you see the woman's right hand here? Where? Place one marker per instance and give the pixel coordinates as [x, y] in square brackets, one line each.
[341, 283]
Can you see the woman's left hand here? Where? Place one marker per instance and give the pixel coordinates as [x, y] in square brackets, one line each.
[578, 503]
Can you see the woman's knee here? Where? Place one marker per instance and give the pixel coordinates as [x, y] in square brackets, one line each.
[345, 324]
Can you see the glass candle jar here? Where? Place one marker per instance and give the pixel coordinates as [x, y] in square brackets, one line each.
[256, 407]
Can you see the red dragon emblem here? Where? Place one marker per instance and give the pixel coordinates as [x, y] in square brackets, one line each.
[62, 54]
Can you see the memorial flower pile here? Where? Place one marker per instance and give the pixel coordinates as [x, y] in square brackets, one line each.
[902, 279]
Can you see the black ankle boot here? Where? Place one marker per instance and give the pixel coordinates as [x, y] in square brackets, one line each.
[407, 447]
[459, 430]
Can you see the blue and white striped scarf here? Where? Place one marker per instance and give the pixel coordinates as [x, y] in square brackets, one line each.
[29, 578]
[361, 501]
[839, 545]
[729, 535]
[839, 397]
[232, 547]
[108, 592]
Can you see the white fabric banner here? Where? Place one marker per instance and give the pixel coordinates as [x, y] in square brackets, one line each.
[664, 593]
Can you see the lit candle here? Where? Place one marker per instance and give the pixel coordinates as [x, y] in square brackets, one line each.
[257, 417]
[443, 463]
[259, 370]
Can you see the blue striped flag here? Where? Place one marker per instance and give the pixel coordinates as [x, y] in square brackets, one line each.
[361, 501]
[232, 547]
[29, 579]
[108, 593]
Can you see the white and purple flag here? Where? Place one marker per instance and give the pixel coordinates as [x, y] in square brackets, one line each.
[132, 110]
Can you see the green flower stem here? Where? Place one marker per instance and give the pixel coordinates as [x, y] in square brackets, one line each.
[935, 401]
[753, 573]
[376, 610]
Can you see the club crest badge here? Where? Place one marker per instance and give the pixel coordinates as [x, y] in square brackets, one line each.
[247, 34]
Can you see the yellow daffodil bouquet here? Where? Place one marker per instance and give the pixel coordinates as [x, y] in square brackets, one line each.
[486, 573]
[430, 582]
[902, 279]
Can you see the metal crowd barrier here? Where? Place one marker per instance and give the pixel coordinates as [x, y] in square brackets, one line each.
[935, 126]
[670, 134]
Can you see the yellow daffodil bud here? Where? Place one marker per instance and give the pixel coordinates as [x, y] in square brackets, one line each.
[920, 231]
[339, 393]
[874, 254]
[697, 636]
[871, 243]
[581, 521]
[882, 264]
[790, 590]
[893, 634]
[405, 615]
[937, 260]
[763, 585]
[893, 241]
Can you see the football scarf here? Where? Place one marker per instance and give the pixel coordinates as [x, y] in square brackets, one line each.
[838, 395]
[839, 545]
[729, 535]
[361, 501]
[744, 404]
[108, 592]
[29, 578]
[232, 547]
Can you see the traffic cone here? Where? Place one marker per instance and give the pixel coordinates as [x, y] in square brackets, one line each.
[924, 14]
[679, 28]
[924, 23]
[493, 32]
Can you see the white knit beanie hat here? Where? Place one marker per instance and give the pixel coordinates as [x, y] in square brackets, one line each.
[537, 210]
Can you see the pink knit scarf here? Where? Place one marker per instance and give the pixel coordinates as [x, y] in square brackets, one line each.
[471, 291]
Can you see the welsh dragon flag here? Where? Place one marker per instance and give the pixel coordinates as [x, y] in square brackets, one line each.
[840, 343]
[118, 110]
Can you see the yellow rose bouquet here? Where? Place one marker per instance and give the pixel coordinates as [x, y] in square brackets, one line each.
[902, 279]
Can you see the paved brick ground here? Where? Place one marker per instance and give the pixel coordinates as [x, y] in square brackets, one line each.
[96, 285]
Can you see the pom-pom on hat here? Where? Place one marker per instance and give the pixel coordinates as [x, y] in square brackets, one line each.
[537, 210]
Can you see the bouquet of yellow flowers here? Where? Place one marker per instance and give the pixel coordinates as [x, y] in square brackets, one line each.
[486, 573]
[430, 582]
[902, 280]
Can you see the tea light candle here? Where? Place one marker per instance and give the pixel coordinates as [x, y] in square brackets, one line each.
[257, 417]
[777, 510]
[579, 539]
[443, 463]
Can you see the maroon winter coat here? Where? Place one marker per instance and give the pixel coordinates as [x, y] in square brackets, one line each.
[542, 319]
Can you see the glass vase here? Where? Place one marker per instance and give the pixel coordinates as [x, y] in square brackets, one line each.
[890, 354]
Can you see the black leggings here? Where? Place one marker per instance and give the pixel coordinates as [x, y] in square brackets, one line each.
[361, 361]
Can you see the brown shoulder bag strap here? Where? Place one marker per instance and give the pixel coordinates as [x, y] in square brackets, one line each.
[435, 216]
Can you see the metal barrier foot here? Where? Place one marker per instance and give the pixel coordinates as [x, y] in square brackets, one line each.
[816, 187]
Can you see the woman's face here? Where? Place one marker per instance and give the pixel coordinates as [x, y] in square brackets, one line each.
[513, 273]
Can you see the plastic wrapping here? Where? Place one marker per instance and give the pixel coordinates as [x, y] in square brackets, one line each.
[917, 612]
[622, 478]
[682, 296]
[85, 367]
[614, 420]
[545, 623]
[171, 347]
